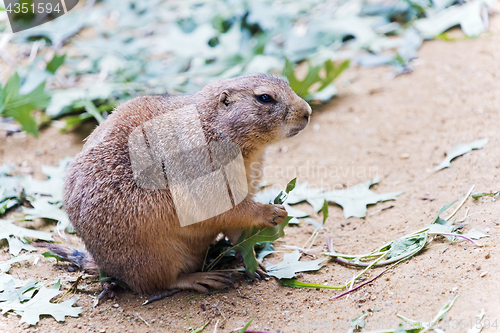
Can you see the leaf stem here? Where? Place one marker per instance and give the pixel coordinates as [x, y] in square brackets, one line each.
[456, 235]
[367, 282]
[461, 204]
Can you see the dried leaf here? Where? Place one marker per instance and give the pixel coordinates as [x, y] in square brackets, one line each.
[5, 265]
[40, 304]
[291, 265]
[355, 199]
[459, 150]
[15, 236]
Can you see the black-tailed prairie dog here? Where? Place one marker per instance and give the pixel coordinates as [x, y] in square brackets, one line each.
[132, 229]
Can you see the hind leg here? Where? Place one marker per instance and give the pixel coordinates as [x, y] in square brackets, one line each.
[201, 282]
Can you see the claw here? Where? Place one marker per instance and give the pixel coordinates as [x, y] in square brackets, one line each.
[106, 293]
[162, 296]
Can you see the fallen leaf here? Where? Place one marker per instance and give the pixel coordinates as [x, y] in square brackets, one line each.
[53, 186]
[10, 292]
[357, 323]
[406, 245]
[414, 326]
[6, 265]
[459, 150]
[476, 234]
[15, 235]
[355, 199]
[40, 304]
[265, 251]
[291, 265]
[468, 16]
[477, 327]
[43, 208]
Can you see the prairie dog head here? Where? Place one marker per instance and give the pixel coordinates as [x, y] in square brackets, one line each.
[256, 110]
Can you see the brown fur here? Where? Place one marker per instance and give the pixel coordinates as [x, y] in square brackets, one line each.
[134, 233]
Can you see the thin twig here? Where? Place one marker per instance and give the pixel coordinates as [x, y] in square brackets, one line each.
[138, 315]
[461, 204]
[369, 281]
[73, 288]
[456, 235]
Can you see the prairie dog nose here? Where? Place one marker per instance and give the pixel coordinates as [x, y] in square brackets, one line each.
[307, 110]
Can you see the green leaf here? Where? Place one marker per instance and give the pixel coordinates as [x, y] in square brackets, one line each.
[92, 110]
[324, 210]
[441, 228]
[332, 72]
[247, 325]
[40, 304]
[438, 219]
[6, 204]
[291, 265]
[50, 254]
[19, 106]
[281, 197]
[484, 194]
[16, 245]
[303, 87]
[291, 185]
[23, 117]
[459, 150]
[406, 245]
[297, 284]
[55, 63]
[11, 88]
[249, 238]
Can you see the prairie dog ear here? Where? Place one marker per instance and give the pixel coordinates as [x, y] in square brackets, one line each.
[224, 97]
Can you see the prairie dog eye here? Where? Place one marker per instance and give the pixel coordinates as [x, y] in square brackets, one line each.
[265, 98]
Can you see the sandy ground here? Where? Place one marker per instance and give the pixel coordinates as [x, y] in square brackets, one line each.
[397, 128]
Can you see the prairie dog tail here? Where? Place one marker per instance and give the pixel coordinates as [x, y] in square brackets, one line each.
[82, 259]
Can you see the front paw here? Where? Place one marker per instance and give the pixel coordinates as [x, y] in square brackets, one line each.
[275, 214]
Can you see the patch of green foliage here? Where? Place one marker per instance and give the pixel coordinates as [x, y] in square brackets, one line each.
[156, 47]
